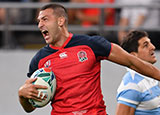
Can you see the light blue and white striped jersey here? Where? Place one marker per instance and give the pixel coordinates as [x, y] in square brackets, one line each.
[140, 92]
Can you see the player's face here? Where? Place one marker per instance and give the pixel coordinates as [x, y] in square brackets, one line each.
[48, 25]
[146, 50]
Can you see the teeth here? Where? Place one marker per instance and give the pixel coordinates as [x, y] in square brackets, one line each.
[44, 31]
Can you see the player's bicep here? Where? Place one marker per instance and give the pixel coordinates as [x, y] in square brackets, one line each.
[120, 56]
[124, 110]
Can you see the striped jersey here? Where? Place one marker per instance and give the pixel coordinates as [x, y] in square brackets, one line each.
[76, 66]
[140, 92]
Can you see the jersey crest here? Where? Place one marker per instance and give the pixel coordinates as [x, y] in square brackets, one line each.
[82, 56]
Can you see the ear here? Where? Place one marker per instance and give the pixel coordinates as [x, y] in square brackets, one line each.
[133, 53]
[61, 21]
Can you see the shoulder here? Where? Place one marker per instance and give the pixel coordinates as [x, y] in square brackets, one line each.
[87, 37]
[44, 51]
[132, 77]
[41, 53]
[98, 44]
[90, 40]
[131, 82]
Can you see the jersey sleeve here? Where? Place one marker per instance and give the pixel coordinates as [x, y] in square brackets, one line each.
[33, 66]
[101, 47]
[129, 97]
[129, 94]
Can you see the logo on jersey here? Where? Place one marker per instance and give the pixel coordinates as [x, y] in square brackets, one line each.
[63, 55]
[82, 55]
[79, 112]
[48, 63]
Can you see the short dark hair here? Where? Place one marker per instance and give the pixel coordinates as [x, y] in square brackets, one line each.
[130, 42]
[59, 10]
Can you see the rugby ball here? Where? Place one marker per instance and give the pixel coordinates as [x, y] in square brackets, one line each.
[45, 77]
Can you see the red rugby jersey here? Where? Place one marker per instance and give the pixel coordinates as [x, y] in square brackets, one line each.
[76, 66]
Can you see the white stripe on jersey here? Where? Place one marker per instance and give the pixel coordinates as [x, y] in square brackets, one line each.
[141, 91]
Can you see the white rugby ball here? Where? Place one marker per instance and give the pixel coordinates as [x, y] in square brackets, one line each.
[45, 77]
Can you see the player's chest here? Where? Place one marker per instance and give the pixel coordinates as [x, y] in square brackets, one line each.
[70, 58]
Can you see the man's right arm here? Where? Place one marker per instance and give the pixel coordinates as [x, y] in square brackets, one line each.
[25, 104]
[124, 110]
[25, 92]
[29, 91]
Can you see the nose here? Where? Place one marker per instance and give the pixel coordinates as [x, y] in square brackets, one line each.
[153, 47]
[40, 24]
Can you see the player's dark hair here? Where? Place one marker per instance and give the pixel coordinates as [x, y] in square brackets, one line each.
[130, 42]
[58, 9]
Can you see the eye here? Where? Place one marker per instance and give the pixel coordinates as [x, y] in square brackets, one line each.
[146, 45]
[45, 19]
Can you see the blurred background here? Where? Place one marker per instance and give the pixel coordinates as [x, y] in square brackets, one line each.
[20, 39]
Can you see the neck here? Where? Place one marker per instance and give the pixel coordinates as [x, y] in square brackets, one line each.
[61, 38]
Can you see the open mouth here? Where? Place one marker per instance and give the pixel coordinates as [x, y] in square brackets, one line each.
[45, 32]
[152, 54]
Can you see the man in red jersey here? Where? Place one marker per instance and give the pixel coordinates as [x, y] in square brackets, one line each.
[90, 16]
[75, 61]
